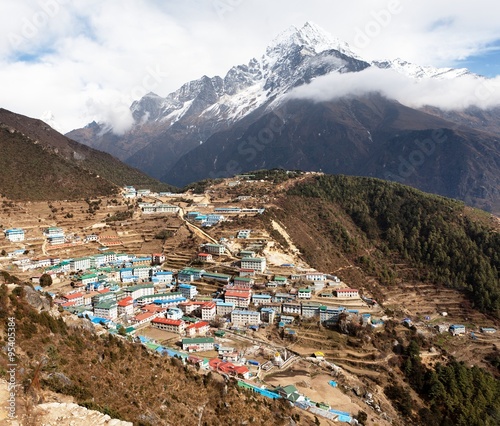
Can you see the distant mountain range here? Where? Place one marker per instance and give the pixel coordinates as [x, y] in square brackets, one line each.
[38, 163]
[216, 127]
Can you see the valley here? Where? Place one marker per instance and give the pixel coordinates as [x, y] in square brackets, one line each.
[359, 349]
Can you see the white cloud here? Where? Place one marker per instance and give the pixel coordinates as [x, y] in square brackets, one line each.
[84, 59]
[457, 94]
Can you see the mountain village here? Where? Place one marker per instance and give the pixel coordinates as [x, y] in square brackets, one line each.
[237, 303]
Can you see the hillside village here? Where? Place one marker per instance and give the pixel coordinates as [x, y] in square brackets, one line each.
[211, 290]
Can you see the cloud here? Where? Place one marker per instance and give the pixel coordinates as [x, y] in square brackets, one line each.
[77, 58]
[448, 94]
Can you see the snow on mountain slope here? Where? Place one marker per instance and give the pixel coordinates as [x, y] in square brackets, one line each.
[293, 58]
[166, 128]
[419, 72]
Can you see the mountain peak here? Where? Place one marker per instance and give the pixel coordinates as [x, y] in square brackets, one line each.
[421, 71]
[310, 36]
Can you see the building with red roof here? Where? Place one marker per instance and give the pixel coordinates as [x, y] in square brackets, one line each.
[76, 298]
[240, 298]
[126, 306]
[200, 328]
[166, 324]
[208, 311]
[347, 292]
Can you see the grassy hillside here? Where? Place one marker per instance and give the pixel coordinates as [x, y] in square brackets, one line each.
[29, 171]
[119, 378]
[376, 223]
[70, 167]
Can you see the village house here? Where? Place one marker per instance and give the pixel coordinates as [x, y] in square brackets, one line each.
[14, 234]
[246, 253]
[189, 307]
[291, 308]
[88, 279]
[154, 309]
[174, 326]
[347, 292]
[174, 313]
[75, 298]
[143, 318]
[276, 307]
[140, 261]
[163, 277]
[255, 263]
[456, 329]
[260, 299]
[150, 208]
[244, 318]
[223, 278]
[163, 299]
[246, 272]
[200, 344]
[315, 276]
[304, 293]
[267, 315]
[126, 306]
[224, 308]
[228, 368]
[102, 259]
[280, 280]
[246, 282]
[243, 234]
[283, 298]
[188, 291]
[137, 291]
[200, 328]
[80, 264]
[190, 274]
[126, 275]
[87, 297]
[107, 310]
[157, 258]
[142, 272]
[241, 299]
[216, 249]
[205, 257]
[213, 219]
[330, 315]
[208, 311]
[310, 309]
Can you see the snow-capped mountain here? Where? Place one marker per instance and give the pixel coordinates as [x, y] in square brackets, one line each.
[202, 128]
[419, 72]
[294, 57]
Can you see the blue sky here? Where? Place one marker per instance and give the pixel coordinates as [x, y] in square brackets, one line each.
[72, 62]
[486, 63]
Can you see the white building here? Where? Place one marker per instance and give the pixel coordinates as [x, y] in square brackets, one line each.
[126, 306]
[198, 344]
[171, 325]
[304, 293]
[137, 291]
[244, 318]
[188, 291]
[80, 264]
[208, 311]
[347, 292]
[142, 272]
[315, 276]
[106, 310]
[255, 263]
[216, 249]
[224, 308]
[14, 234]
